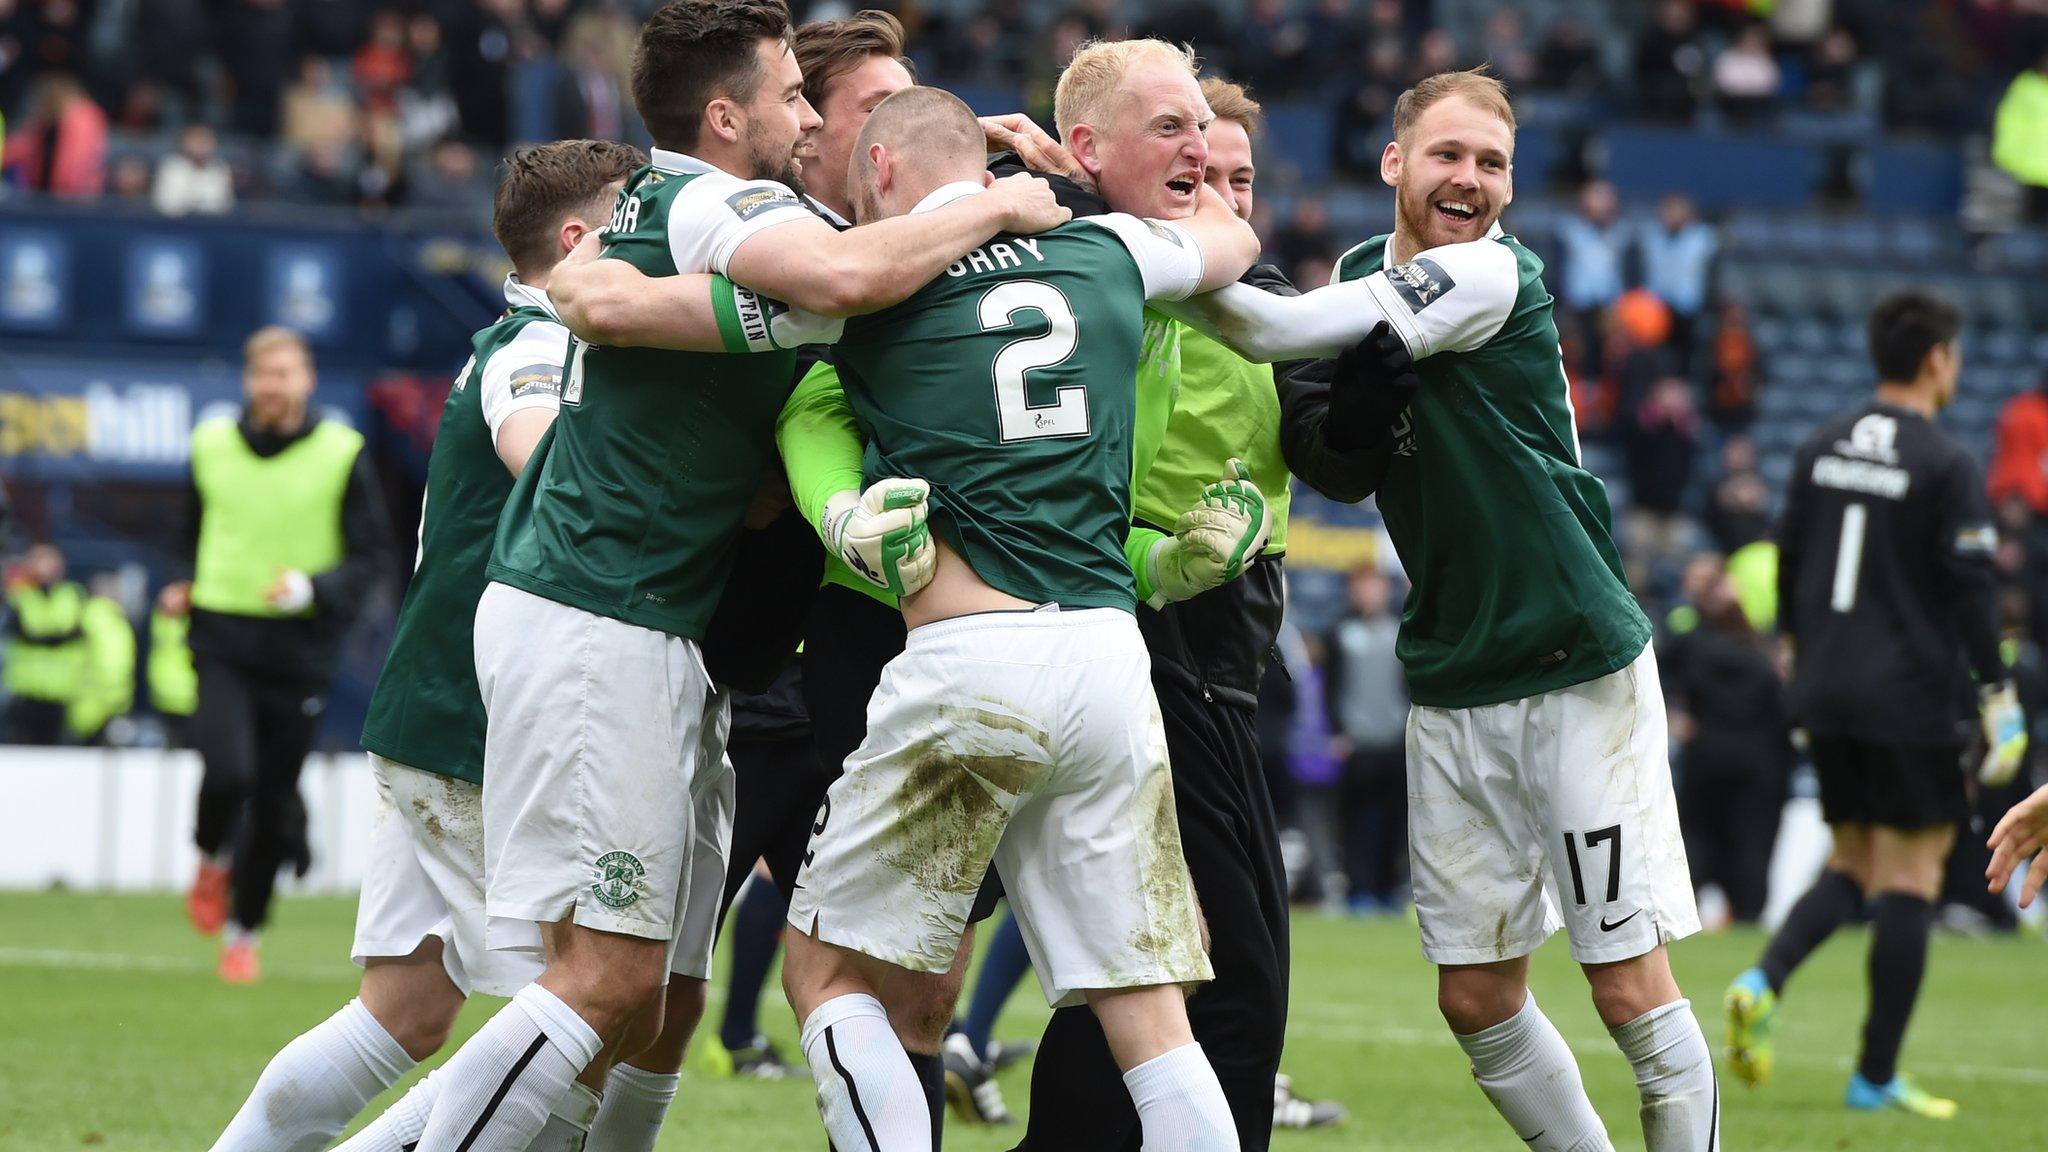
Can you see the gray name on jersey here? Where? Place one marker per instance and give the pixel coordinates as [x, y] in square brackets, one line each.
[997, 256]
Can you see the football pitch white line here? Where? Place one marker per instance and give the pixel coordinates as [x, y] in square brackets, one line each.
[1318, 1025]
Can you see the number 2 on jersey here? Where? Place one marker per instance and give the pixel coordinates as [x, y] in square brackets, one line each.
[1018, 418]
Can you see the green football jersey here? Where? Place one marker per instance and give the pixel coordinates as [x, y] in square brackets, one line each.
[1508, 541]
[426, 711]
[1009, 384]
[631, 505]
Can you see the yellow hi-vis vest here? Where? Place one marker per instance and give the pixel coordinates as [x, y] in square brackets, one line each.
[47, 659]
[261, 515]
[107, 688]
[173, 682]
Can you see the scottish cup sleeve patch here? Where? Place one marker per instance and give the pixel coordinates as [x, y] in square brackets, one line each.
[1420, 282]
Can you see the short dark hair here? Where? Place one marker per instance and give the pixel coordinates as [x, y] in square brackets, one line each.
[1905, 326]
[829, 49]
[692, 52]
[547, 182]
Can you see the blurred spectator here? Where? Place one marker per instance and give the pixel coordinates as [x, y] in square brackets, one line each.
[1800, 23]
[130, 180]
[1746, 76]
[60, 146]
[1568, 61]
[1661, 438]
[426, 105]
[480, 57]
[1336, 41]
[2019, 137]
[106, 690]
[2019, 451]
[1365, 117]
[194, 180]
[590, 99]
[45, 647]
[1739, 507]
[1669, 63]
[1368, 703]
[257, 48]
[447, 180]
[1733, 731]
[1734, 372]
[1592, 246]
[1436, 52]
[324, 174]
[1504, 45]
[1271, 48]
[317, 109]
[382, 66]
[1678, 253]
[1306, 235]
[1831, 73]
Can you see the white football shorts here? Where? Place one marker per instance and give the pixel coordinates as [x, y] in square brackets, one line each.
[425, 877]
[1029, 738]
[1547, 812]
[607, 794]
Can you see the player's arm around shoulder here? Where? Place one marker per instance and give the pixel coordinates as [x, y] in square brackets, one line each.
[519, 389]
[613, 303]
[875, 265]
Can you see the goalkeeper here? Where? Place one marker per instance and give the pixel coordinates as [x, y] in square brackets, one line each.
[1886, 584]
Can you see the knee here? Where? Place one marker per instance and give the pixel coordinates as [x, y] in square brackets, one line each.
[921, 1008]
[1474, 1001]
[659, 1040]
[1624, 991]
[424, 1029]
[609, 991]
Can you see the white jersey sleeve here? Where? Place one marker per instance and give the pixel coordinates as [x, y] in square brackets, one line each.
[1169, 260]
[716, 212]
[525, 373]
[1448, 299]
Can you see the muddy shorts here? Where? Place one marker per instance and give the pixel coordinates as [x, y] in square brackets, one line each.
[607, 795]
[1547, 812]
[425, 877]
[1031, 739]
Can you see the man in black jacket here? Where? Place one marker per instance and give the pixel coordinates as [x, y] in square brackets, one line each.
[286, 538]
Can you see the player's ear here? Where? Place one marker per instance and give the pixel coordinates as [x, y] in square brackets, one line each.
[1390, 164]
[722, 117]
[571, 234]
[988, 178]
[1085, 144]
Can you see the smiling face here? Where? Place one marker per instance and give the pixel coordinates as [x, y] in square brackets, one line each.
[845, 106]
[1230, 171]
[1148, 157]
[776, 123]
[1452, 174]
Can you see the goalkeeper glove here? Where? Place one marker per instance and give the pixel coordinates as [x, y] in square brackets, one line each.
[2005, 733]
[882, 535]
[1212, 542]
[751, 322]
[1373, 382]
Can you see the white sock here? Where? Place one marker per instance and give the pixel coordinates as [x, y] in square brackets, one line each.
[1675, 1075]
[399, 1128]
[635, 1101]
[1180, 1103]
[868, 1093]
[1527, 1070]
[316, 1084]
[569, 1122]
[497, 1091]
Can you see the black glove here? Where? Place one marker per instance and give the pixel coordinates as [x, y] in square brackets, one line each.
[1372, 384]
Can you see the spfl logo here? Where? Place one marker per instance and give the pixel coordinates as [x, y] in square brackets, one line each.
[618, 879]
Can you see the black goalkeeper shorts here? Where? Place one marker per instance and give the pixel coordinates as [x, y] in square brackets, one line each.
[1905, 786]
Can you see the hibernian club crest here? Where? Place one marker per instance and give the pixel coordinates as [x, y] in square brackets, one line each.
[618, 879]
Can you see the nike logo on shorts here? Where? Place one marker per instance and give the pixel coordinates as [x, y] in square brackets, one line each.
[1606, 927]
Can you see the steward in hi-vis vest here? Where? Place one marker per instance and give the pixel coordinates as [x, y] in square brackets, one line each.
[45, 659]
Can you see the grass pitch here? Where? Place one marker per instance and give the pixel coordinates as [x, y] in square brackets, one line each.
[114, 1034]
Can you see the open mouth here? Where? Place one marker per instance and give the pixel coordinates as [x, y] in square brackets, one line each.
[1184, 185]
[1456, 212]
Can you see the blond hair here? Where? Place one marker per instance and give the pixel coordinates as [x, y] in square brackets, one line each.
[1473, 84]
[1229, 101]
[1092, 77]
[271, 337]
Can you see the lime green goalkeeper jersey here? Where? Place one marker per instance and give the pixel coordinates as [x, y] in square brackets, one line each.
[631, 506]
[427, 711]
[1507, 539]
[1009, 384]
